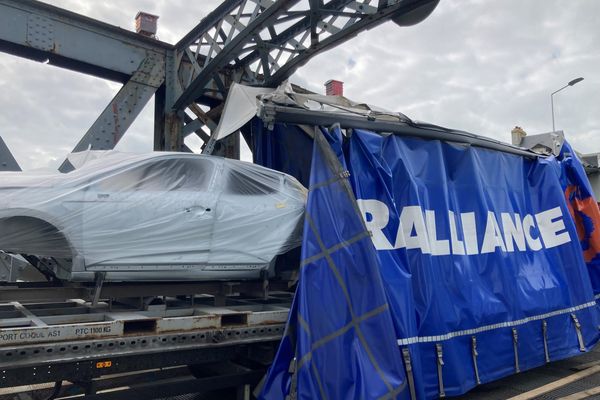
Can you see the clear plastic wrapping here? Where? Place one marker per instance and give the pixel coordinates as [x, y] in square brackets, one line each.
[156, 216]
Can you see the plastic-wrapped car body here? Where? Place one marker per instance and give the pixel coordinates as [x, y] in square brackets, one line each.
[156, 216]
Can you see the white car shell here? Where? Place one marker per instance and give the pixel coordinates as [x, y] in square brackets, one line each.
[156, 216]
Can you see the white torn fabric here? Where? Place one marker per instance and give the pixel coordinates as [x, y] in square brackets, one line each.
[244, 102]
[240, 107]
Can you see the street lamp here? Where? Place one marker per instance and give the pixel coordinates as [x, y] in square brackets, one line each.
[573, 82]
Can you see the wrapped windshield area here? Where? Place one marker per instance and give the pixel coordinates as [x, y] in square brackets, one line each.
[162, 175]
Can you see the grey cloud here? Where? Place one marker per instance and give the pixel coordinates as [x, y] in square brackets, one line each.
[474, 65]
[480, 66]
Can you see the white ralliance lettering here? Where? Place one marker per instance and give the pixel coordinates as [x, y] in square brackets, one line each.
[411, 220]
[513, 232]
[420, 229]
[552, 228]
[438, 247]
[458, 246]
[376, 215]
[492, 237]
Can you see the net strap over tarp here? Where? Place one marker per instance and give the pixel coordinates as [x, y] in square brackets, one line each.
[337, 253]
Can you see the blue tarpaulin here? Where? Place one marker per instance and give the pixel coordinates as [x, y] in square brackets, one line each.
[285, 148]
[340, 305]
[430, 267]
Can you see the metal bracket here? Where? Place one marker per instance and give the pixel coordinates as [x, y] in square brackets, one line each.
[475, 354]
[515, 336]
[265, 283]
[545, 334]
[267, 114]
[98, 287]
[440, 365]
[579, 335]
[409, 373]
[11, 268]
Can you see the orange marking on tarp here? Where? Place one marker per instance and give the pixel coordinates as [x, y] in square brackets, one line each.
[589, 208]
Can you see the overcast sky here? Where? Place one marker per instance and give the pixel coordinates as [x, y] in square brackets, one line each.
[478, 65]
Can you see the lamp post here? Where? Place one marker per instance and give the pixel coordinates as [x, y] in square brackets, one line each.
[571, 83]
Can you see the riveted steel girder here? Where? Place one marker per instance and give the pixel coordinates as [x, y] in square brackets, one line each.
[42, 32]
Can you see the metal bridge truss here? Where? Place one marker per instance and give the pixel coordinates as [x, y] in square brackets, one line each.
[256, 42]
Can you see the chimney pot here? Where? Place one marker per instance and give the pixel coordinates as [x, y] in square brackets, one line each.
[146, 24]
[334, 88]
[517, 135]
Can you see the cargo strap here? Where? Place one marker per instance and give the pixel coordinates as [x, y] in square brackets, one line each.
[440, 364]
[516, 349]
[340, 176]
[475, 354]
[409, 373]
[579, 335]
[545, 334]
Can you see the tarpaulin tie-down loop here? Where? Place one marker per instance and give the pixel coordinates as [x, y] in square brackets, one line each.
[342, 175]
[578, 330]
[515, 336]
[475, 354]
[440, 365]
[409, 372]
[545, 335]
[486, 328]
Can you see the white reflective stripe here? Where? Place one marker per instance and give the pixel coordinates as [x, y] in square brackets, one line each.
[510, 324]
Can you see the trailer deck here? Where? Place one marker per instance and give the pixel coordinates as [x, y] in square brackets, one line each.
[218, 340]
[188, 346]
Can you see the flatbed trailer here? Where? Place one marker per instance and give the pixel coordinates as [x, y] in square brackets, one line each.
[206, 346]
[133, 344]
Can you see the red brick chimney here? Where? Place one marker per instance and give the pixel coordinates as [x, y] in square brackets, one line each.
[146, 24]
[334, 88]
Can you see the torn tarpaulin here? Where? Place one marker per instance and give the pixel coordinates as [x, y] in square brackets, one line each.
[480, 265]
[340, 341]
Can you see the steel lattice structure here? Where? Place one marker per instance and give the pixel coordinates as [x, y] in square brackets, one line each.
[256, 42]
